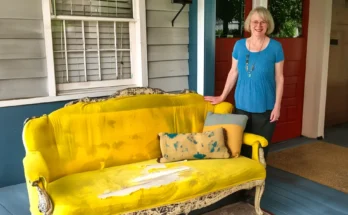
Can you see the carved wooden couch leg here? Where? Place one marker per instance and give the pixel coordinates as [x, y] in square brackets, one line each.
[258, 195]
[45, 203]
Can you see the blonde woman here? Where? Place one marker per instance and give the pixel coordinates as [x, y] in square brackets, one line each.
[257, 68]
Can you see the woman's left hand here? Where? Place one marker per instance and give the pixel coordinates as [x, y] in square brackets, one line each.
[275, 114]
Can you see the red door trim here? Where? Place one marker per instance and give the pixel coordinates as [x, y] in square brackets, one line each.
[247, 9]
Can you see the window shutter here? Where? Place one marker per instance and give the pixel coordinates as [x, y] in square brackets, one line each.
[95, 8]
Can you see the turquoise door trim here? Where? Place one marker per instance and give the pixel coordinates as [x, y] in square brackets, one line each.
[209, 46]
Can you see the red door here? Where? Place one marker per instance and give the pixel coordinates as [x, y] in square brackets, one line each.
[290, 122]
[294, 44]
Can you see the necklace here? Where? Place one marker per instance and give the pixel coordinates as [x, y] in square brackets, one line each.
[247, 59]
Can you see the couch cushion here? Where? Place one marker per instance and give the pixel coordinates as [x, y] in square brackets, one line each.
[193, 146]
[87, 136]
[87, 193]
[234, 126]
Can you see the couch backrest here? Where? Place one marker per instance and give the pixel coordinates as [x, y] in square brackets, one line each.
[92, 135]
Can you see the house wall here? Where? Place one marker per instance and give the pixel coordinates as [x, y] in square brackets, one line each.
[11, 146]
[22, 55]
[167, 46]
[337, 86]
[22, 52]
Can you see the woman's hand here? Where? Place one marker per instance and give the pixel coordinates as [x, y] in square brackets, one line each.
[230, 82]
[275, 114]
[214, 99]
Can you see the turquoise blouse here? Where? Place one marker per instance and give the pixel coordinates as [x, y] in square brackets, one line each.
[256, 88]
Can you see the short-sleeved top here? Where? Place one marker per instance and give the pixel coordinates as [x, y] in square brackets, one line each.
[256, 93]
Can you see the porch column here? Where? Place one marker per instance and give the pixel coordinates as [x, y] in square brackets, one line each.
[318, 47]
[200, 46]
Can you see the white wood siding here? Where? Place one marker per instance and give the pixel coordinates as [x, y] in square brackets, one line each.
[167, 45]
[22, 51]
[17, 9]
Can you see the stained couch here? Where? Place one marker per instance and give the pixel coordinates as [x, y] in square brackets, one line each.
[102, 157]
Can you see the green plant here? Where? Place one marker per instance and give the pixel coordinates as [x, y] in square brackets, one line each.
[287, 15]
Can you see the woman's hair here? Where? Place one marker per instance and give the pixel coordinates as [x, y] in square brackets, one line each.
[265, 15]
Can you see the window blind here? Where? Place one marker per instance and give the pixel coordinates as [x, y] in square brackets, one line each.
[95, 8]
[90, 50]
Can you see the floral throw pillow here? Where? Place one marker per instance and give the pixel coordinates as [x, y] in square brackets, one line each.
[193, 146]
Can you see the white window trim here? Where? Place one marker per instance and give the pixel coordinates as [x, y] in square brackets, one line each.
[49, 99]
[139, 66]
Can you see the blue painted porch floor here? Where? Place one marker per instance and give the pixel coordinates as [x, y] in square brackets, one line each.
[14, 200]
[285, 193]
[289, 194]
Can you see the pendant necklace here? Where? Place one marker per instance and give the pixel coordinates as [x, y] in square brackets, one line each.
[247, 60]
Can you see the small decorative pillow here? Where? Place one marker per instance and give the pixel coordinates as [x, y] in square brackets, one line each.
[234, 125]
[191, 146]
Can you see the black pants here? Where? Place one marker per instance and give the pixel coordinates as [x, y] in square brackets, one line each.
[258, 123]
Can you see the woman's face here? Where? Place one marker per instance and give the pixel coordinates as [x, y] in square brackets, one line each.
[258, 26]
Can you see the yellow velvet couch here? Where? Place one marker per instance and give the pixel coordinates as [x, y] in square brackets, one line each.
[87, 157]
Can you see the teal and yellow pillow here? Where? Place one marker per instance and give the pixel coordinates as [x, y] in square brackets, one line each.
[192, 146]
[234, 125]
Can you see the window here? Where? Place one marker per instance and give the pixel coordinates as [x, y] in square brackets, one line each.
[229, 18]
[287, 15]
[94, 45]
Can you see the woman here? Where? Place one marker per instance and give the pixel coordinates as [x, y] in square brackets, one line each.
[257, 62]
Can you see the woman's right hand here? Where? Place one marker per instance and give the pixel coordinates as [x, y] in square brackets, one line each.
[214, 99]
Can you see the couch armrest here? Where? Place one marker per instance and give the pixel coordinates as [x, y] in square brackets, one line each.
[223, 108]
[256, 142]
[37, 176]
[35, 167]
